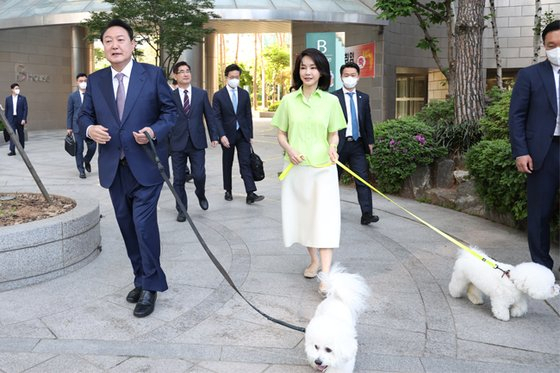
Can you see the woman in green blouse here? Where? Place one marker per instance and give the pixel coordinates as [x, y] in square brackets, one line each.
[308, 121]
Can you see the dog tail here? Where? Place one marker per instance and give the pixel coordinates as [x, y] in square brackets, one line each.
[350, 288]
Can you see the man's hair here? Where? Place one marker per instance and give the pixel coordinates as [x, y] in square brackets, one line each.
[232, 67]
[552, 26]
[81, 75]
[320, 62]
[120, 23]
[179, 64]
[14, 85]
[351, 65]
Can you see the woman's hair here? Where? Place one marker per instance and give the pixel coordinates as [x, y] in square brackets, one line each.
[320, 62]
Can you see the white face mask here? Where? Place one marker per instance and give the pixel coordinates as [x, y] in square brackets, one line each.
[553, 56]
[82, 85]
[349, 82]
[16, 91]
[233, 83]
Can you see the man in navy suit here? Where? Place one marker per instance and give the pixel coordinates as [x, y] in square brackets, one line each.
[356, 140]
[121, 103]
[16, 114]
[233, 110]
[188, 137]
[534, 125]
[74, 105]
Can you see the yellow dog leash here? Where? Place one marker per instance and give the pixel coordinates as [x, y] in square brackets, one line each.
[437, 230]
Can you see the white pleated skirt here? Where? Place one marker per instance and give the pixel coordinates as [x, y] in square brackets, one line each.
[311, 207]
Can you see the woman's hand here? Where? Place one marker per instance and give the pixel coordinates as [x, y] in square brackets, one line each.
[333, 155]
[295, 157]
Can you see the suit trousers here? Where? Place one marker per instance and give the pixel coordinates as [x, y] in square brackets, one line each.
[198, 172]
[243, 156]
[542, 188]
[80, 159]
[353, 153]
[135, 208]
[15, 123]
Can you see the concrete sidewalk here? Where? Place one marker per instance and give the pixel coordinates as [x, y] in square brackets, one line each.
[81, 322]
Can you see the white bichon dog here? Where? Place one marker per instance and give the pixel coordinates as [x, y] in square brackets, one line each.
[507, 293]
[330, 337]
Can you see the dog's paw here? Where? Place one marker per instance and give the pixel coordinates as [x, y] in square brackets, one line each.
[501, 313]
[475, 295]
[518, 310]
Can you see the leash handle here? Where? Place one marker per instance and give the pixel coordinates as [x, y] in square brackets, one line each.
[213, 258]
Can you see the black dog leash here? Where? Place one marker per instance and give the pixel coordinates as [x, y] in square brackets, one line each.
[203, 243]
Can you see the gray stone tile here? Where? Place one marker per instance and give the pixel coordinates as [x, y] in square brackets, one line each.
[11, 362]
[142, 364]
[65, 364]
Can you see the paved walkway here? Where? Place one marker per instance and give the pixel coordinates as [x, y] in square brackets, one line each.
[82, 323]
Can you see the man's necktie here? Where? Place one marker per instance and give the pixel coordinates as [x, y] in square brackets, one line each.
[234, 101]
[120, 95]
[186, 103]
[354, 116]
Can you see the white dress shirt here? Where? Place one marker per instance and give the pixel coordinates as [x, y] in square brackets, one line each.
[14, 100]
[555, 69]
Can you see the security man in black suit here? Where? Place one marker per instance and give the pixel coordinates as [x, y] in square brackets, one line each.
[356, 140]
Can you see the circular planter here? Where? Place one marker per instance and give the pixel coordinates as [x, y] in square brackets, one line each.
[48, 248]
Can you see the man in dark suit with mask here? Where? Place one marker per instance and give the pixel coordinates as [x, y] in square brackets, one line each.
[188, 137]
[534, 127]
[233, 110]
[16, 114]
[356, 140]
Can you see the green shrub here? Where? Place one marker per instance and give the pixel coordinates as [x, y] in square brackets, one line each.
[456, 138]
[437, 113]
[274, 106]
[400, 146]
[494, 123]
[498, 183]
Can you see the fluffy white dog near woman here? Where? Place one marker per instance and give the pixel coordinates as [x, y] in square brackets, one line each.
[330, 337]
[507, 293]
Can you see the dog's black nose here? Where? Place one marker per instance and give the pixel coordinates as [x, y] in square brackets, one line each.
[318, 362]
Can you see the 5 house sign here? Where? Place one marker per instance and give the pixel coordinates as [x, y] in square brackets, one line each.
[22, 75]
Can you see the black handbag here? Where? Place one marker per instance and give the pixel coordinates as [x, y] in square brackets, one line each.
[6, 135]
[256, 166]
[70, 145]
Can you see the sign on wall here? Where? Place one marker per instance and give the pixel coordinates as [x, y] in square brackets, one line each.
[364, 56]
[22, 75]
[331, 44]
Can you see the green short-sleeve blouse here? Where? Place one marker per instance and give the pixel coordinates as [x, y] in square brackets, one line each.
[308, 122]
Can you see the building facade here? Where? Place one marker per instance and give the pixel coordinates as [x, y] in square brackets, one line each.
[42, 47]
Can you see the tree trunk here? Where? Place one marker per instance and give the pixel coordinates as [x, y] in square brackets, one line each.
[497, 51]
[469, 88]
[451, 51]
[255, 70]
[537, 31]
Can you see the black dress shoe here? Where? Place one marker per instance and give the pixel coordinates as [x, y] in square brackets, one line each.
[369, 218]
[82, 175]
[252, 198]
[228, 196]
[146, 303]
[88, 166]
[133, 295]
[11, 153]
[181, 217]
[203, 203]
[189, 177]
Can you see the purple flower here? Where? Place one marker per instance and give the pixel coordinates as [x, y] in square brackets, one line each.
[392, 143]
[421, 139]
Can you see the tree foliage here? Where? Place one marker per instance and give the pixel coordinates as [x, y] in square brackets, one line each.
[167, 26]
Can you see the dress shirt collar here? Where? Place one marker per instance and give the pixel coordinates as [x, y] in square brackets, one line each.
[126, 71]
[348, 91]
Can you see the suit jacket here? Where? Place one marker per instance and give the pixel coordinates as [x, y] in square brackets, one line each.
[227, 117]
[192, 125]
[148, 103]
[364, 119]
[21, 108]
[532, 112]
[72, 111]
